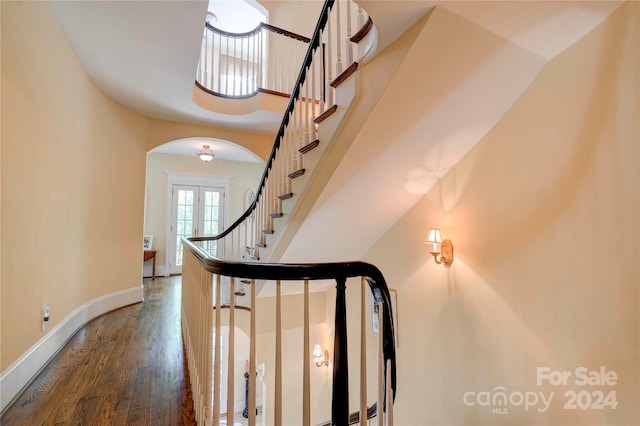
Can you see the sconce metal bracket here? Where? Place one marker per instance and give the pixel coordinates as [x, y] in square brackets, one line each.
[445, 257]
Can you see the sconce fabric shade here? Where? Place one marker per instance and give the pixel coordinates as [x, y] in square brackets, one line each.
[317, 352]
[206, 154]
[442, 251]
[434, 240]
[321, 357]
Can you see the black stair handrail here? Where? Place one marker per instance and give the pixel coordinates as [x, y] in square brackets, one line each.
[314, 43]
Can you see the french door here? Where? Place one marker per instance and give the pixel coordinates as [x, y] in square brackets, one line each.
[197, 211]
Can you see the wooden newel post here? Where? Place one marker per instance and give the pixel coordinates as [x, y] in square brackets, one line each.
[340, 398]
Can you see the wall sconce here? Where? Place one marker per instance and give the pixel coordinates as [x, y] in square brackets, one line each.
[320, 357]
[437, 247]
[206, 154]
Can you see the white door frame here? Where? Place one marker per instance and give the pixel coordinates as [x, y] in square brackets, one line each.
[178, 178]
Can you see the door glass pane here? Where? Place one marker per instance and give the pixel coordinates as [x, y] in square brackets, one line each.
[211, 217]
[184, 225]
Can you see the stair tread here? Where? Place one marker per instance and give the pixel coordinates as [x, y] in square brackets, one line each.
[310, 146]
[277, 215]
[362, 33]
[286, 196]
[296, 174]
[325, 114]
[344, 75]
[267, 231]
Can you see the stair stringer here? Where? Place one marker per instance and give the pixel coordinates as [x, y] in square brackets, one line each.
[370, 82]
[345, 97]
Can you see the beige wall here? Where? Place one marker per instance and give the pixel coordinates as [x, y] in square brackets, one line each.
[244, 176]
[72, 181]
[299, 16]
[292, 355]
[164, 131]
[544, 217]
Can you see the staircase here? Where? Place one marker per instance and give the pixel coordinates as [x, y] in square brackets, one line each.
[322, 97]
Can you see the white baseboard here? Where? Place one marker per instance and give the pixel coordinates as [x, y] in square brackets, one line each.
[21, 372]
[161, 271]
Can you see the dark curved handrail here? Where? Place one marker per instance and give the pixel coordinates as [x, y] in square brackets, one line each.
[248, 95]
[309, 271]
[256, 30]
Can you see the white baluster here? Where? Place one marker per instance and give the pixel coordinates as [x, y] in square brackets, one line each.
[338, 40]
[231, 355]
[252, 358]
[348, 44]
[216, 360]
[226, 90]
[306, 404]
[323, 78]
[219, 74]
[314, 75]
[329, 66]
[277, 397]
[234, 82]
[307, 107]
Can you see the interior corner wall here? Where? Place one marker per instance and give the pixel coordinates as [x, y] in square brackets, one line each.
[244, 176]
[544, 216]
[299, 17]
[73, 164]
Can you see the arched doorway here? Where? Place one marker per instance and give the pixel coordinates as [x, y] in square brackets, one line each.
[185, 195]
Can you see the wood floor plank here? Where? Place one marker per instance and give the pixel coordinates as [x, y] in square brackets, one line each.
[125, 367]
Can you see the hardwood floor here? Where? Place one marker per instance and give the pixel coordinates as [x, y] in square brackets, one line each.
[124, 368]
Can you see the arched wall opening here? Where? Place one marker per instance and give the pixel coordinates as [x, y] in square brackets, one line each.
[173, 170]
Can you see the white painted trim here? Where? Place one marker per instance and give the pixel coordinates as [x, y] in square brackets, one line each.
[161, 271]
[195, 179]
[19, 374]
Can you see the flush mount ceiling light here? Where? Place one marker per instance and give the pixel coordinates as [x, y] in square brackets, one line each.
[206, 154]
[437, 247]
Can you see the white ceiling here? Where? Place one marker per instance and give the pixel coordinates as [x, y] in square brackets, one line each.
[144, 55]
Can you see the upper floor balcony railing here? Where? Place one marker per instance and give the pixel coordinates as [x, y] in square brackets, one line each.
[268, 58]
[239, 65]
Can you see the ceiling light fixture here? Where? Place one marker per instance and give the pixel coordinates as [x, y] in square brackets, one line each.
[206, 154]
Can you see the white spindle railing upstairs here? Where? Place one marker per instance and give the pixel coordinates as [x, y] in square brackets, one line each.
[212, 285]
[239, 65]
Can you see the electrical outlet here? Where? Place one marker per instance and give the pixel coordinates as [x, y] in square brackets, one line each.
[46, 314]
